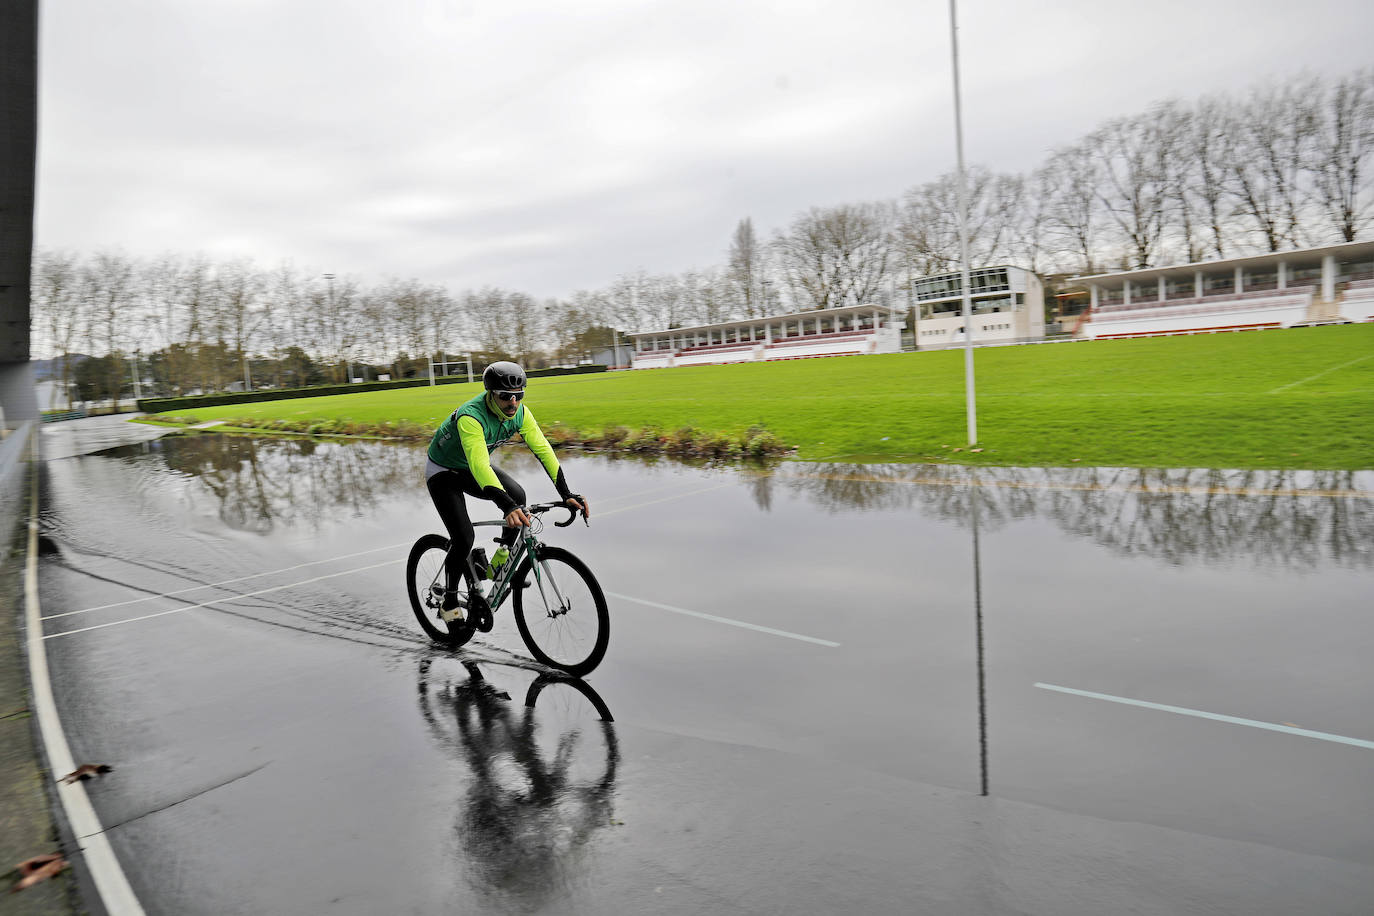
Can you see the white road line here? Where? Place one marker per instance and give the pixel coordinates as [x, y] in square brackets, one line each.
[1358, 359]
[192, 607]
[665, 499]
[1216, 717]
[725, 620]
[110, 880]
[620, 497]
[195, 588]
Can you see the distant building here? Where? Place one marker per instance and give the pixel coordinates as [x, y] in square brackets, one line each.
[1008, 305]
[848, 330]
[1334, 283]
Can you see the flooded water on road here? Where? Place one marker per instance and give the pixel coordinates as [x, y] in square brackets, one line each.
[1129, 664]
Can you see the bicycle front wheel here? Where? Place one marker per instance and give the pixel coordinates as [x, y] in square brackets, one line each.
[425, 584]
[561, 611]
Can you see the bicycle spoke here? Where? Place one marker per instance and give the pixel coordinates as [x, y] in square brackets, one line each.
[563, 616]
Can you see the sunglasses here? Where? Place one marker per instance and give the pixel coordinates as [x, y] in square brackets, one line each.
[509, 395]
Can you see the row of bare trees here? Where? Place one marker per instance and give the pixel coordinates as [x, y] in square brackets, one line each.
[1286, 165]
[204, 322]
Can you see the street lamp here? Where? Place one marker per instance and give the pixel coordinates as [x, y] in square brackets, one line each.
[970, 395]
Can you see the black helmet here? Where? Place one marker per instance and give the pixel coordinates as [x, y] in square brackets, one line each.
[504, 376]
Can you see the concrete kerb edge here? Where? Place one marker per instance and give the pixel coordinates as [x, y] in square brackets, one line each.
[111, 884]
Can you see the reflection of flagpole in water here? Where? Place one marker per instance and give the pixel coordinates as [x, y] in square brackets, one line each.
[978, 625]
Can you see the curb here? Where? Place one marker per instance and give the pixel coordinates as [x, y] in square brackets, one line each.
[110, 882]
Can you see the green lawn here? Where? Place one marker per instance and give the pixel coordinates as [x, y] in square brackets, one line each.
[1301, 398]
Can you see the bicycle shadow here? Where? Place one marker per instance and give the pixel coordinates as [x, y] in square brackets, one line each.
[543, 774]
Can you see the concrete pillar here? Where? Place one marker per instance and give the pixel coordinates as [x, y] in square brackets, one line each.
[1240, 281]
[1329, 278]
[1163, 285]
[1198, 290]
[768, 334]
[1126, 293]
[1283, 275]
[1092, 293]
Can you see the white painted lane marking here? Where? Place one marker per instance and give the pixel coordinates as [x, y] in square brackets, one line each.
[1216, 717]
[666, 499]
[195, 588]
[725, 620]
[1310, 378]
[235, 597]
[319, 578]
[621, 497]
[110, 881]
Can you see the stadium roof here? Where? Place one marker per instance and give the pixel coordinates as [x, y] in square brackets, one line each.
[1348, 250]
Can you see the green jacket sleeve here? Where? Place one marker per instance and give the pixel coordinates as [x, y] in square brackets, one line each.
[474, 444]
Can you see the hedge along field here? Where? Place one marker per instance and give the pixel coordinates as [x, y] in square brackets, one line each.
[1301, 398]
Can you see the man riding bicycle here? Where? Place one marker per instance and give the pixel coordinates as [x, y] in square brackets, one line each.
[459, 463]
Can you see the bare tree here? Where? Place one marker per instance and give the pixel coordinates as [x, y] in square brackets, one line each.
[239, 286]
[1274, 131]
[1030, 222]
[1202, 158]
[707, 296]
[108, 281]
[747, 272]
[1070, 178]
[1341, 158]
[284, 314]
[837, 255]
[335, 305]
[446, 323]
[58, 306]
[927, 227]
[505, 324]
[1132, 154]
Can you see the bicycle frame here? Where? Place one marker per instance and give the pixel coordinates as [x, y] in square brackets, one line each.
[526, 544]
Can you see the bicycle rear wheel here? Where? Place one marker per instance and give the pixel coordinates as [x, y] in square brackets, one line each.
[562, 613]
[425, 583]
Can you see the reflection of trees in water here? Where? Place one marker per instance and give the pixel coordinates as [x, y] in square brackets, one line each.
[261, 482]
[542, 779]
[1274, 518]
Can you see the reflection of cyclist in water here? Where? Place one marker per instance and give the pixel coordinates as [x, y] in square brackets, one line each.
[459, 463]
[542, 782]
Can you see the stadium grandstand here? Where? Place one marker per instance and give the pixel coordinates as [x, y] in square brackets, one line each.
[1008, 305]
[842, 331]
[1276, 290]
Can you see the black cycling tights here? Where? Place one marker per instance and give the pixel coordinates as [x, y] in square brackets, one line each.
[446, 489]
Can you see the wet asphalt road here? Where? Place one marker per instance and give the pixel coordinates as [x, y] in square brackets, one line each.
[899, 740]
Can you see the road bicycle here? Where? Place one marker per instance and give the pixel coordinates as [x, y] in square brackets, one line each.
[560, 609]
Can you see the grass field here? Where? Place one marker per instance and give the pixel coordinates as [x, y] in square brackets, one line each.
[1301, 398]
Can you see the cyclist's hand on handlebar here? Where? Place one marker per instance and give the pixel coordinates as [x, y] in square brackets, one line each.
[517, 518]
[578, 502]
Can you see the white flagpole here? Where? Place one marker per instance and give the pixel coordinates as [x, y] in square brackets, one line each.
[970, 394]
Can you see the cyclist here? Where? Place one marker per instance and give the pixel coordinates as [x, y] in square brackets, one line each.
[459, 464]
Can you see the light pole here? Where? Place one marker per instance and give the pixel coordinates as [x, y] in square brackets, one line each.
[970, 397]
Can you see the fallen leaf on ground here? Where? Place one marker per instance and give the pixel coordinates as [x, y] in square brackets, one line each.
[86, 771]
[39, 868]
[975, 450]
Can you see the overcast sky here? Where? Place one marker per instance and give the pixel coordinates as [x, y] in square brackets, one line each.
[548, 146]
